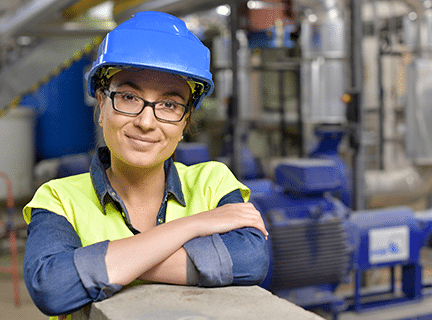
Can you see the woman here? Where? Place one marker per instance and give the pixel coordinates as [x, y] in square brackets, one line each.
[138, 216]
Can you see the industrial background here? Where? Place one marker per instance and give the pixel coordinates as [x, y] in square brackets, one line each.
[322, 107]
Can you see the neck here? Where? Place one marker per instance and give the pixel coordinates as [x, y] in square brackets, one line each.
[137, 183]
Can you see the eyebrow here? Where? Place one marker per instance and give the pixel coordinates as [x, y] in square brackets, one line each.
[128, 83]
[136, 87]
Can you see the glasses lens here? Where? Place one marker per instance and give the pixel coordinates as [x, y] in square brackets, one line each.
[127, 102]
[164, 110]
[169, 110]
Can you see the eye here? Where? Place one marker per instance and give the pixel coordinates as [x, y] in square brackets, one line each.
[128, 97]
[169, 105]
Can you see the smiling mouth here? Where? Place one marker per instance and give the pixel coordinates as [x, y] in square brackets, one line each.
[140, 139]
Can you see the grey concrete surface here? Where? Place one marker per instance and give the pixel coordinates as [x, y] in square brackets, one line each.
[161, 302]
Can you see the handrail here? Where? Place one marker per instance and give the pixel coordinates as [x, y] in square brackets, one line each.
[11, 233]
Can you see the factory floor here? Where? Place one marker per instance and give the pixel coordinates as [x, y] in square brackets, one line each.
[26, 309]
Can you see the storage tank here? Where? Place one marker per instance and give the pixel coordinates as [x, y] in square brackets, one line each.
[17, 151]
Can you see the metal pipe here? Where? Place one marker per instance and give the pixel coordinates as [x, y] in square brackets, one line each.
[281, 76]
[236, 122]
[398, 187]
[68, 29]
[175, 7]
[80, 7]
[33, 12]
[331, 8]
[300, 115]
[381, 112]
[356, 64]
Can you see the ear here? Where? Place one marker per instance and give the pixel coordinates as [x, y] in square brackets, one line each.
[101, 105]
[99, 97]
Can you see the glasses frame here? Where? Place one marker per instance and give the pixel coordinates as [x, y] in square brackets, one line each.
[111, 95]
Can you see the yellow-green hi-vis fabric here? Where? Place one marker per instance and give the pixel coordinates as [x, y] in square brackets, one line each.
[203, 186]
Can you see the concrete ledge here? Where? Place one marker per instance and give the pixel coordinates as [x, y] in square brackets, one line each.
[162, 302]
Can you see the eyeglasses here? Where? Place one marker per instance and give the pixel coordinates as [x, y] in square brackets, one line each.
[130, 104]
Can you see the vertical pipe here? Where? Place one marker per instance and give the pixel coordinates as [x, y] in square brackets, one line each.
[283, 137]
[381, 112]
[14, 266]
[11, 230]
[356, 62]
[380, 109]
[300, 114]
[234, 114]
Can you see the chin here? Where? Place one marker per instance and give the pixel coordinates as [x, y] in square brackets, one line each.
[145, 162]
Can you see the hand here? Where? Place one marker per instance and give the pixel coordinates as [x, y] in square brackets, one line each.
[229, 217]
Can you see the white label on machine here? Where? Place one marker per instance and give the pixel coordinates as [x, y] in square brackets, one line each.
[388, 244]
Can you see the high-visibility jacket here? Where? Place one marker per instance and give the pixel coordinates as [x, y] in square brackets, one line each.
[203, 186]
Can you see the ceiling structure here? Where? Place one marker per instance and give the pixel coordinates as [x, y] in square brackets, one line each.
[62, 17]
[55, 25]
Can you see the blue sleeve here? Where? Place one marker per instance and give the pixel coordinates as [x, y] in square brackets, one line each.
[239, 257]
[61, 275]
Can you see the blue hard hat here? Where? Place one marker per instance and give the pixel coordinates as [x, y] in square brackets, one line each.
[156, 41]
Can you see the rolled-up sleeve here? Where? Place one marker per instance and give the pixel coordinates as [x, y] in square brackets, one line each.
[239, 257]
[212, 260]
[249, 255]
[90, 264]
[61, 275]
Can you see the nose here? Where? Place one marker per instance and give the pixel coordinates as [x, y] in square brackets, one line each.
[146, 119]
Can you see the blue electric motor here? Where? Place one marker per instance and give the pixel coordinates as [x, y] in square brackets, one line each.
[316, 241]
[308, 242]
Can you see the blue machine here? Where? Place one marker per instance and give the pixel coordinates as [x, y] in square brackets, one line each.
[329, 139]
[190, 153]
[316, 241]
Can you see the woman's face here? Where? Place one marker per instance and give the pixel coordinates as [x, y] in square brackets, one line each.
[142, 140]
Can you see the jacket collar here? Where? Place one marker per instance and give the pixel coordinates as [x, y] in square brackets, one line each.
[101, 162]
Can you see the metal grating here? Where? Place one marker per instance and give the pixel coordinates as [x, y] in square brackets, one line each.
[308, 253]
